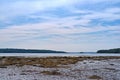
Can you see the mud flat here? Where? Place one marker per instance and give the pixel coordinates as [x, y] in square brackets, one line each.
[60, 68]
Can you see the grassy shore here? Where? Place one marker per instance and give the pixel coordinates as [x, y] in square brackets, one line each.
[48, 62]
[60, 68]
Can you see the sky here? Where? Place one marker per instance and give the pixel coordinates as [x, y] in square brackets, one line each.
[67, 25]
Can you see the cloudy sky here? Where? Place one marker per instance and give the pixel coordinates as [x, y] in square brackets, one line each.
[68, 25]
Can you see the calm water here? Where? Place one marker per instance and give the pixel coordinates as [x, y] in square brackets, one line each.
[59, 54]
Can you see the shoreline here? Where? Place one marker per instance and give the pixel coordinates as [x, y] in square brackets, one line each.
[60, 68]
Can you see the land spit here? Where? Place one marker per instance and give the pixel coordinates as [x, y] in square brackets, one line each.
[60, 68]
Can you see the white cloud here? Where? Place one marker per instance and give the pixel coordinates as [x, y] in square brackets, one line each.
[19, 8]
[59, 31]
[23, 7]
[63, 26]
[110, 14]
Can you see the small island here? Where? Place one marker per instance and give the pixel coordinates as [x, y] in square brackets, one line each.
[8, 50]
[81, 52]
[115, 50]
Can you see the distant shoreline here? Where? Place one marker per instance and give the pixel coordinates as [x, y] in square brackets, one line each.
[115, 50]
[10, 50]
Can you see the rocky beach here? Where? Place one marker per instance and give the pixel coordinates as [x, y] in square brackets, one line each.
[60, 68]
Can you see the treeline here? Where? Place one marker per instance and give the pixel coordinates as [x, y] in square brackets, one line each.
[116, 50]
[28, 51]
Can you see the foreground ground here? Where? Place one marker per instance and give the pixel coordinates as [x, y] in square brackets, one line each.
[60, 68]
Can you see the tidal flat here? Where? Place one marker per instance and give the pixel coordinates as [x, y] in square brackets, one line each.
[60, 68]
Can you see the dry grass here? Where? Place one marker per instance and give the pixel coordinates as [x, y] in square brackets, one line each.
[95, 77]
[51, 72]
[42, 62]
[46, 62]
